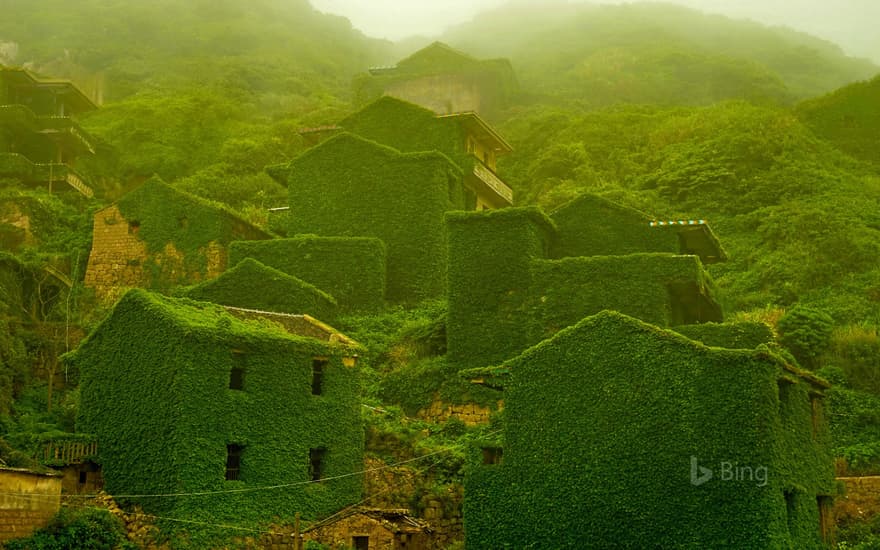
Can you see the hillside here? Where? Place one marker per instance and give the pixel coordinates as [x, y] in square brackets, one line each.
[848, 118]
[654, 53]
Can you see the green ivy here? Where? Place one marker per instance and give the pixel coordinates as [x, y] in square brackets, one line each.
[601, 422]
[155, 391]
[382, 193]
[742, 335]
[352, 269]
[252, 285]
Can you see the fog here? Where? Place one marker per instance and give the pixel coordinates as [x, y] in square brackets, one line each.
[850, 23]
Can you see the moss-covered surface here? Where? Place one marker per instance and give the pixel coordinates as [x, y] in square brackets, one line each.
[155, 390]
[590, 225]
[164, 215]
[602, 423]
[351, 269]
[252, 285]
[489, 279]
[382, 193]
[740, 335]
[663, 289]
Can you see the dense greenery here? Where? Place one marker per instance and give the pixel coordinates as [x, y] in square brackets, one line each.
[155, 381]
[252, 285]
[77, 529]
[354, 267]
[379, 192]
[739, 335]
[601, 422]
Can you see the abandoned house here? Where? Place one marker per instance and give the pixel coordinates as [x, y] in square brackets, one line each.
[442, 79]
[40, 139]
[157, 237]
[618, 433]
[186, 399]
[516, 276]
[372, 529]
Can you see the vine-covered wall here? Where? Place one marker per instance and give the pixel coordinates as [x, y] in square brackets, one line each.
[351, 269]
[253, 285]
[604, 423]
[658, 288]
[155, 390]
[382, 193]
[742, 334]
[590, 225]
[489, 276]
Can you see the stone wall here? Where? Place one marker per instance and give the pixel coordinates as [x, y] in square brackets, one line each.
[39, 500]
[119, 258]
[469, 413]
[860, 502]
[443, 94]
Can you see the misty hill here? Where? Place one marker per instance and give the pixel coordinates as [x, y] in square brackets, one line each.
[848, 118]
[654, 53]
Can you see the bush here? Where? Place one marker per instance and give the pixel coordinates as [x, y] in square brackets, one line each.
[806, 332]
[74, 529]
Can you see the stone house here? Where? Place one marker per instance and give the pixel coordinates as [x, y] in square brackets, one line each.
[157, 237]
[372, 529]
[187, 399]
[39, 136]
[620, 434]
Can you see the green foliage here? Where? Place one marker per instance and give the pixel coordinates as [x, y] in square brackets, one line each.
[155, 379]
[352, 269]
[847, 118]
[601, 422]
[163, 215]
[740, 335]
[382, 193]
[859, 535]
[855, 350]
[806, 332]
[77, 529]
[252, 285]
[663, 289]
[490, 256]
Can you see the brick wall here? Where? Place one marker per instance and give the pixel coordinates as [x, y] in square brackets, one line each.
[119, 258]
[860, 502]
[28, 501]
[469, 413]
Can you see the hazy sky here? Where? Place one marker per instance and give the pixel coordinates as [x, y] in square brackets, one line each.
[853, 24]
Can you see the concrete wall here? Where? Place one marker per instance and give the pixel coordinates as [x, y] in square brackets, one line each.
[40, 500]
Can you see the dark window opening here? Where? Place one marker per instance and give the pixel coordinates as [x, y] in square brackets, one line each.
[83, 477]
[134, 227]
[784, 385]
[492, 455]
[236, 374]
[816, 412]
[790, 509]
[360, 543]
[318, 375]
[233, 462]
[826, 525]
[316, 463]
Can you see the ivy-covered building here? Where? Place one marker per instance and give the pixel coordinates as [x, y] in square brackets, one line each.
[40, 139]
[620, 434]
[465, 137]
[442, 79]
[157, 237]
[517, 276]
[241, 422]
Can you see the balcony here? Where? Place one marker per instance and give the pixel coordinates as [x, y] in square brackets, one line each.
[19, 166]
[490, 186]
[64, 129]
[75, 450]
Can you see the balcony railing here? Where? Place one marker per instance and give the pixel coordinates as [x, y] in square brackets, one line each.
[493, 182]
[66, 125]
[55, 172]
[68, 452]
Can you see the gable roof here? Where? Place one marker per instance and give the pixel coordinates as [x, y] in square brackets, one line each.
[253, 285]
[436, 56]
